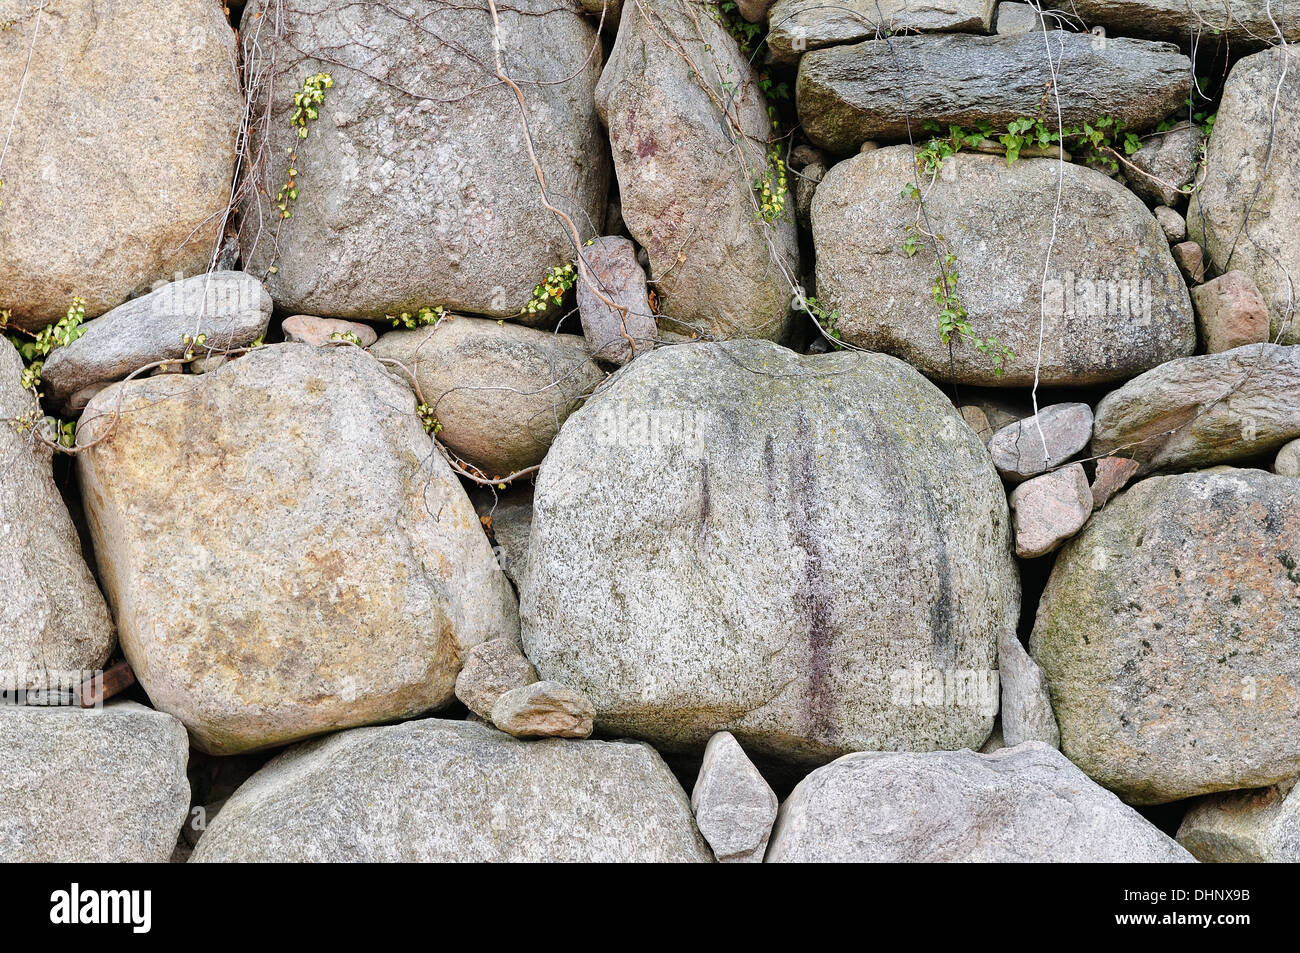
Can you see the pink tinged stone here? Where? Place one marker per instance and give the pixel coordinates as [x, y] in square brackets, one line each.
[1049, 509]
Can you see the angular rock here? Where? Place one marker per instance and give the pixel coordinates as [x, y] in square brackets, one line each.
[687, 180]
[87, 786]
[1251, 182]
[734, 805]
[1049, 509]
[1230, 312]
[977, 420]
[154, 86]
[1287, 462]
[1166, 164]
[801, 25]
[1239, 21]
[230, 307]
[1190, 257]
[544, 710]
[1252, 827]
[847, 94]
[1173, 224]
[1112, 475]
[53, 621]
[748, 592]
[805, 187]
[511, 516]
[1025, 713]
[319, 332]
[1169, 633]
[1035, 444]
[613, 335]
[1025, 804]
[1199, 411]
[285, 551]
[500, 391]
[1016, 18]
[492, 669]
[416, 109]
[1113, 304]
[453, 791]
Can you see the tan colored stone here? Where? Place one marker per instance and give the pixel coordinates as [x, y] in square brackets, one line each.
[1230, 312]
[544, 710]
[318, 332]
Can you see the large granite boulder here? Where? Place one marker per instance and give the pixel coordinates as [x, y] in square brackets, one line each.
[1113, 304]
[53, 621]
[794, 549]
[87, 786]
[1026, 804]
[454, 791]
[1241, 22]
[285, 551]
[119, 163]
[849, 94]
[1169, 633]
[1246, 208]
[797, 26]
[687, 176]
[415, 187]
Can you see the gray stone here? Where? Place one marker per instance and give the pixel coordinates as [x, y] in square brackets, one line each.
[801, 25]
[230, 307]
[1198, 411]
[611, 9]
[491, 669]
[320, 332]
[544, 710]
[1112, 306]
[1016, 18]
[734, 805]
[511, 516]
[1253, 827]
[1026, 804]
[1244, 22]
[847, 94]
[118, 165]
[805, 187]
[615, 335]
[53, 621]
[1169, 633]
[1025, 712]
[750, 591]
[755, 11]
[87, 786]
[416, 111]
[1045, 440]
[500, 391]
[1230, 312]
[1166, 164]
[453, 791]
[1049, 509]
[1252, 180]
[284, 550]
[687, 179]
[1287, 462]
[1173, 224]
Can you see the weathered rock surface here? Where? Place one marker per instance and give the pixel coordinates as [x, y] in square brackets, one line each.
[1240, 21]
[500, 391]
[687, 189]
[320, 332]
[1049, 509]
[1165, 165]
[1112, 475]
[747, 592]
[86, 786]
[230, 307]
[512, 523]
[1174, 225]
[491, 669]
[1114, 303]
[1025, 712]
[1037, 443]
[1190, 257]
[1287, 461]
[1230, 312]
[1016, 18]
[1169, 633]
[1249, 200]
[52, 617]
[1203, 410]
[544, 710]
[734, 805]
[1260, 826]
[801, 25]
[847, 94]
[612, 334]
[1026, 804]
[285, 552]
[149, 93]
[416, 109]
[442, 791]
